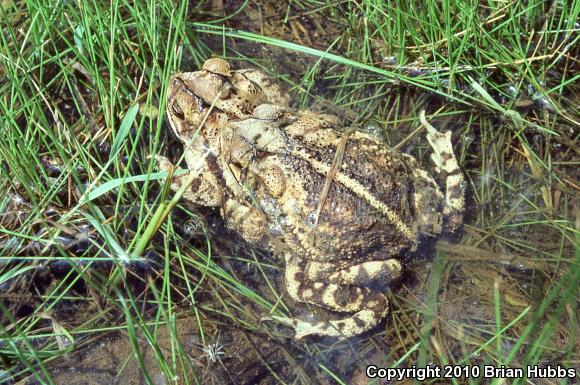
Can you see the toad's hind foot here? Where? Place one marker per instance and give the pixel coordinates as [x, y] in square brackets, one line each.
[366, 307]
[356, 324]
[446, 165]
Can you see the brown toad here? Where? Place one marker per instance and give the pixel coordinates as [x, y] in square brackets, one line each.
[339, 207]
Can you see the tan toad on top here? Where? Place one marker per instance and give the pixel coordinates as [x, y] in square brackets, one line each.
[339, 207]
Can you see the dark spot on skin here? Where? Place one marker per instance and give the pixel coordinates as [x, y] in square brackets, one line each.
[246, 107]
[343, 296]
[341, 325]
[457, 171]
[195, 184]
[363, 276]
[214, 168]
[454, 192]
[446, 156]
[304, 286]
[299, 276]
[358, 322]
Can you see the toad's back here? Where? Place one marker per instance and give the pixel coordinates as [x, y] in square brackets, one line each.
[377, 203]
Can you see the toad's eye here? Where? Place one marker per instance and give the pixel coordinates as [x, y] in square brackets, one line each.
[177, 111]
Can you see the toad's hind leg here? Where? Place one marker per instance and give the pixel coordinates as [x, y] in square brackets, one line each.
[381, 273]
[369, 307]
[446, 165]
